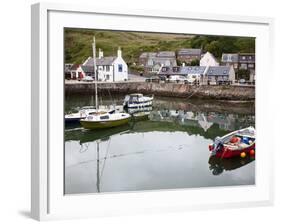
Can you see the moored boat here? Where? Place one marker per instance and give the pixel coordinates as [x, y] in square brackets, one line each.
[77, 116]
[236, 143]
[137, 100]
[103, 119]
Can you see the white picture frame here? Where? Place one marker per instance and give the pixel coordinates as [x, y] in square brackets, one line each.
[48, 200]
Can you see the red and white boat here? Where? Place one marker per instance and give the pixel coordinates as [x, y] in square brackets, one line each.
[237, 143]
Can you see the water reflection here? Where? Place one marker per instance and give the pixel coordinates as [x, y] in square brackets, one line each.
[167, 150]
[218, 165]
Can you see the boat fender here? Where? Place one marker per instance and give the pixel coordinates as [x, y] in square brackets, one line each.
[243, 154]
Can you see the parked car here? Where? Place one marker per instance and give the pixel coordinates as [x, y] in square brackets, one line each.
[242, 81]
[179, 79]
[88, 79]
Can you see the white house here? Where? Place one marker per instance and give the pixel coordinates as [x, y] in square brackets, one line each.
[208, 60]
[110, 69]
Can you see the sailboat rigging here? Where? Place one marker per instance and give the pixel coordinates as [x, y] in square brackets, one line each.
[102, 119]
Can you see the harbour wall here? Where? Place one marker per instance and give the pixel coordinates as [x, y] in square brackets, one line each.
[222, 92]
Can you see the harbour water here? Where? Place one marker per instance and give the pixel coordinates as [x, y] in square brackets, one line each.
[168, 150]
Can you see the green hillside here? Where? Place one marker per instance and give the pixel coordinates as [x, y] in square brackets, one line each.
[78, 43]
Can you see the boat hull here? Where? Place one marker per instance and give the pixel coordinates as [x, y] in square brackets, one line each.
[138, 105]
[103, 124]
[228, 153]
[74, 120]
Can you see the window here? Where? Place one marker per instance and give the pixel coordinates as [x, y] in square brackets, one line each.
[107, 68]
[120, 68]
[176, 69]
[243, 66]
[104, 117]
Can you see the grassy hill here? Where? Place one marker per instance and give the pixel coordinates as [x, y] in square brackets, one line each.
[78, 43]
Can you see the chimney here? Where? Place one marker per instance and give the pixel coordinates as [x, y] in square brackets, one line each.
[119, 52]
[100, 53]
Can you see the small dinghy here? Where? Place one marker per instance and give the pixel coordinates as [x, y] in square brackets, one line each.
[237, 143]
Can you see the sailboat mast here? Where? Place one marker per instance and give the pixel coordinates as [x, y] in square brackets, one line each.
[95, 71]
[98, 166]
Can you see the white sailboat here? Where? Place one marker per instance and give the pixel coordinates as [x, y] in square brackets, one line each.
[101, 118]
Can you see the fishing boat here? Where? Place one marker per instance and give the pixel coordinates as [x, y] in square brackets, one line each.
[137, 100]
[103, 119]
[236, 143]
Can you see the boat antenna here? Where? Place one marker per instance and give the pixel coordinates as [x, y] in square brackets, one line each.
[95, 72]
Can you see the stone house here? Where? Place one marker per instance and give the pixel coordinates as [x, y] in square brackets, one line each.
[153, 61]
[244, 61]
[185, 71]
[230, 59]
[187, 55]
[215, 74]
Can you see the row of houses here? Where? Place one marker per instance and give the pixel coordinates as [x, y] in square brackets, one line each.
[164, 64]
[203, 74]
[154, 61]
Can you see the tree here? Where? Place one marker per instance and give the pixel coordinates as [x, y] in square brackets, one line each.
[215, 48]
[243, 74]
[195, 62]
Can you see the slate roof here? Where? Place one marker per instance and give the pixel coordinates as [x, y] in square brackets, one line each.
[87, 69]
[169, 54]
[247, 57]
[160, 61]
[233, 58]
[180, 70]
[193, 69]
[148, 54]
[101, 61]
[189, 51]
[218, 71]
